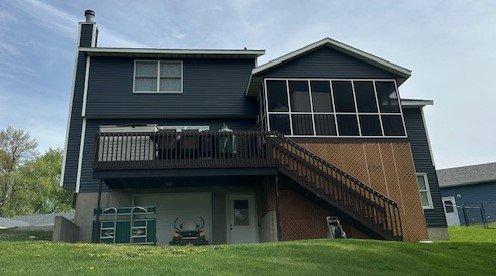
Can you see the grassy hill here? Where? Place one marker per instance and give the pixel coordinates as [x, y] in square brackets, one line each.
[302, 257]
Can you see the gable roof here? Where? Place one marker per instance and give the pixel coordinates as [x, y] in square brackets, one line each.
[347, 49]
[467, 175]
[339, 46]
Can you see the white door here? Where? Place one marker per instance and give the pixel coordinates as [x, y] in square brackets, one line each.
[242, 225]
[178, 205]
[451, 211]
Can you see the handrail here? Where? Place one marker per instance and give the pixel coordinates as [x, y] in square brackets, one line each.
[334, 167]
[243, 149]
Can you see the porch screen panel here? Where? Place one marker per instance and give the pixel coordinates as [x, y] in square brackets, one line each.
[335, 107]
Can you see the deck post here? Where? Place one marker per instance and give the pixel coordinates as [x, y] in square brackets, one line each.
[96, 223]
[278, 213]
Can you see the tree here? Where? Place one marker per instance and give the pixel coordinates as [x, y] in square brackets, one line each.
[29, 182]
[42, 177]
[16, 148]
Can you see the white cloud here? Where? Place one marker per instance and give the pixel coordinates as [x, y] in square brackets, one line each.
[64, 23]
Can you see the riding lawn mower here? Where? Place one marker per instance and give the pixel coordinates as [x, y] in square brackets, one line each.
[189, 232]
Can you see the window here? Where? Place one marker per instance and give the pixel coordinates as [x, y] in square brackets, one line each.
[393, 125]
[347, 125]
[302, 124]
[158, 76]
[241, 213]
[321, 96]
[299, 97]
[365, 96]
[343, 96]
[424, 190]
[342, 108]
[280, 122]
[387, 96]
[278, 96]
[370, 125]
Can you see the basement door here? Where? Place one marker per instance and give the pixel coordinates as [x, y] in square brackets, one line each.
[178, 205]
[242, 224]
[450, 211]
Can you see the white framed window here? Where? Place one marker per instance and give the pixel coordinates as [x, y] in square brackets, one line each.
[367, 108]
[158, 76]
[424, 190]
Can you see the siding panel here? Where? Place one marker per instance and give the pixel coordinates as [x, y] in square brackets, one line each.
[423, 164]
[326, 62]
[212, 88]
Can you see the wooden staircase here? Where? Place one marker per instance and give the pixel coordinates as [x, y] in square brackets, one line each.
[344, 192]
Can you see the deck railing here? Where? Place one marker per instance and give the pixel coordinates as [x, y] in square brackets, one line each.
[186, 149]
[192, 149]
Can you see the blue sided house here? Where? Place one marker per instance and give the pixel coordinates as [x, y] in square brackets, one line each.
[469, 194]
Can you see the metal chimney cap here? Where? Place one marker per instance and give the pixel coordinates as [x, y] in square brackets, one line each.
[90, 15]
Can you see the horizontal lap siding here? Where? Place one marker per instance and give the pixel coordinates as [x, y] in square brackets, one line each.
[326, 62]
[89, 184]
[75, 126]
[76, 121]
[212, 87]
[86, 35]
[423, 164]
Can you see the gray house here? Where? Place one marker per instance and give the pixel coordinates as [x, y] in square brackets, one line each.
[469, 194]
[162, 138]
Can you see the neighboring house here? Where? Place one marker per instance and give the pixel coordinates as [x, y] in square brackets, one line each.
[261, 153]
[469, 193]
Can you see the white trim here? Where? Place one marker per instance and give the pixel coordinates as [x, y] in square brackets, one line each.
[73, 84]
[356, 113]
[311, 106]
[80, 160]
[158, 63]
[289, 108]
[374, 60]
[171, 51]
[427, 190]
[427, 137]
[86, 80]
[93, 38]
[356, 106]
[415, 102]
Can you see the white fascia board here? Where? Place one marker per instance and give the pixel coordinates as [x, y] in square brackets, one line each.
[341, 47]
[415, 102]
[90, 50]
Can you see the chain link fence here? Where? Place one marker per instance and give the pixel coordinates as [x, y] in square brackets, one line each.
[481, 213]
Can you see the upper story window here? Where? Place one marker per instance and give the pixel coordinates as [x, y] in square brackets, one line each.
[158, 76]
[344, 108]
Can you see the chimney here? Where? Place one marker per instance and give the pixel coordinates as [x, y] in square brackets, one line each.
[90, 16]
[88, 31]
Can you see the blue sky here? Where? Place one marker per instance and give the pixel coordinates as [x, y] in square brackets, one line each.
[449, 46]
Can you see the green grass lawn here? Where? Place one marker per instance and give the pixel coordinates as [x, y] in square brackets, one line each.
[464, 255]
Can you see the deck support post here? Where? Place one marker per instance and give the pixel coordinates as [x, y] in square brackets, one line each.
[278, 212]
[96, 223]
